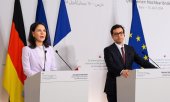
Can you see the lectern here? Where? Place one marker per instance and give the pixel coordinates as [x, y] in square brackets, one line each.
[144, 85]
[57, 86]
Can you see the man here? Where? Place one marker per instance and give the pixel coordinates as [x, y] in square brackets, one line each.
[119, 58]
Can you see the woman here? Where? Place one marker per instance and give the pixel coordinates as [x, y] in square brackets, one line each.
[38, 56]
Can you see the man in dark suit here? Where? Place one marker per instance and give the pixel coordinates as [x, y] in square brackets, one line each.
[119, 58]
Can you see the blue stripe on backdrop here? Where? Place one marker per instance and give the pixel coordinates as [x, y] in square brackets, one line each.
[136, 38]
[63, 24]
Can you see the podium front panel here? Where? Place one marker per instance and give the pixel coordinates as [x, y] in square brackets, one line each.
[144, 85]
[57, 86]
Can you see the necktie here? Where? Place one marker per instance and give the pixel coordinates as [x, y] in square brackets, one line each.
[123, 54]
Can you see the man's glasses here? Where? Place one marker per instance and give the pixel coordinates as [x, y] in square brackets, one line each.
[116, 34]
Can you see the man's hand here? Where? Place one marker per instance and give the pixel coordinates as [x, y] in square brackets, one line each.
[125, 73]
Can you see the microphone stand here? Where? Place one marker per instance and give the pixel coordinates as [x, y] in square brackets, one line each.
[63, 60]
[45, 59]
[151, 60]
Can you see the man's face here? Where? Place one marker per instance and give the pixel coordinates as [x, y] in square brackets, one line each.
[118, 35]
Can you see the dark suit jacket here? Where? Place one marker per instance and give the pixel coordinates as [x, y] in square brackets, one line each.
[115, 65]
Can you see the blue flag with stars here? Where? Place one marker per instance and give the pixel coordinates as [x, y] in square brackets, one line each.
[41, 17]
[63, 24]
[136, 38]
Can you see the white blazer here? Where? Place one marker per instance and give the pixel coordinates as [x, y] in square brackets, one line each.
[31, 60]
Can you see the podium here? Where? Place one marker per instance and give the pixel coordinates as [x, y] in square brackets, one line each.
[144, 85]
[57, 86]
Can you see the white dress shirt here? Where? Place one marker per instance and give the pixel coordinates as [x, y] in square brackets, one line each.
[119, 46]
[41, 53]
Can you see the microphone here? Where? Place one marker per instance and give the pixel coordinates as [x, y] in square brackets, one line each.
[151, 60]
[44, 59]
[63, 60]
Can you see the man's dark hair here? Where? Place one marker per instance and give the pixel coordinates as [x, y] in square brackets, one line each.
[115, 27]
[31, 39]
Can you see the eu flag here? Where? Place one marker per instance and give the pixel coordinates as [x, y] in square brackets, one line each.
[136, 38]
[41, 17]
[63, 24]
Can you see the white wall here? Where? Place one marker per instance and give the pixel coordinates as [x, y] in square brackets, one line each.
[5, 23]
[91, 21]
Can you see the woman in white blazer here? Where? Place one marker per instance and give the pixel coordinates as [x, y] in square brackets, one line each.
[39, 55]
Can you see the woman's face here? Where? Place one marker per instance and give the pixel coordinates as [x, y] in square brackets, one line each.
[39, 34]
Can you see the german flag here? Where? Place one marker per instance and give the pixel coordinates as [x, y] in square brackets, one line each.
[13, 77]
